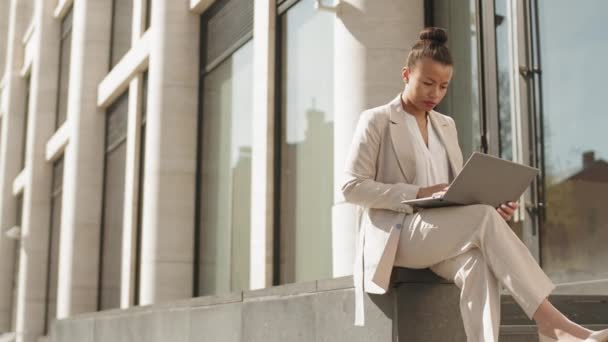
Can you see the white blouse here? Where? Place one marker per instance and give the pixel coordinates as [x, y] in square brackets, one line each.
[432, 165]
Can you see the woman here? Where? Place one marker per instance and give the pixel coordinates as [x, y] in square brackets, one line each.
[405, 150]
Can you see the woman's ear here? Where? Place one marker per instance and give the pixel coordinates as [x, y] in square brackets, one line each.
[405, 74]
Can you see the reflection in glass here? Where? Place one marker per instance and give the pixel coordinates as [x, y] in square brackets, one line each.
[504, 65]
[503, 49]
[225, 200]
[574, 234]
[461, 102]
[306, 191]
[113, 203]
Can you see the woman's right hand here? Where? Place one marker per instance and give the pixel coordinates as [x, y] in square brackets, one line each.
[431, 190]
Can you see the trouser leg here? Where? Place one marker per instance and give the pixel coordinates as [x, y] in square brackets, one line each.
[434, 235]
[479, 294]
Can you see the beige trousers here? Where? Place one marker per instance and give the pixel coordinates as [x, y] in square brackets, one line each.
[474, 247]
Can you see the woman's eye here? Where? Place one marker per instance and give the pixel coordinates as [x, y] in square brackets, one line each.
[428, 83]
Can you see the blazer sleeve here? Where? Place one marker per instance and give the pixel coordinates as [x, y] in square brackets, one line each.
[360, 186]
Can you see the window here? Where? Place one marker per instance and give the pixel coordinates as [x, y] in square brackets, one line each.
[17, 260]
[54, 234]
[462, 99]
[141, 178]
[122, 22]
[225, 141]
[113, 203]
[306, 143]
[64, 69]
[148, 14]
[26, 110]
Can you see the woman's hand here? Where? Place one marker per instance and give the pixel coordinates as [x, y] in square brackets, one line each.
[438, 189]
[507, 210]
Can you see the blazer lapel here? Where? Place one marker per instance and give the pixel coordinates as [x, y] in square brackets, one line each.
[449, 142]
[401, 140]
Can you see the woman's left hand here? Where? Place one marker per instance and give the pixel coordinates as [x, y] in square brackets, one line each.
[507, 210]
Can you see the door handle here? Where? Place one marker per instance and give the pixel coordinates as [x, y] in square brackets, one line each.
[535, 210]
[527, 72]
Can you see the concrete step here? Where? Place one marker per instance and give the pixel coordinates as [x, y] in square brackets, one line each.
[419, 308]
[528, 333]
[589, 310]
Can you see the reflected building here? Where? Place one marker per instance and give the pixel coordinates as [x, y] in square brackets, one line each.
[306, 202]
[577, 218]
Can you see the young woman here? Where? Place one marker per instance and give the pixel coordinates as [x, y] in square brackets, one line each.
[405, 150]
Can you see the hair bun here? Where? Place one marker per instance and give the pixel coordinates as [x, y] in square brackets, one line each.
[434, 35]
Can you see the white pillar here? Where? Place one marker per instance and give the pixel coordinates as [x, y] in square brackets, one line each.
[372, 40]
[83, 162]
[170, 165]
[13, 104]
[262, 167]
[33, 270]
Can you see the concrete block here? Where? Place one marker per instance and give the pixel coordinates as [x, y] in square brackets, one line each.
[73, 330]
[429, 312]
[335, 284]
[216, 323]
[282, 291]
[335, 315]
[275, 320]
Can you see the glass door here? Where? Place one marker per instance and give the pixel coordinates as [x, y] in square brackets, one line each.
[550, 71]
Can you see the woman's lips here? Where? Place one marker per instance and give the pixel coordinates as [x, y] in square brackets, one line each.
[430, 103]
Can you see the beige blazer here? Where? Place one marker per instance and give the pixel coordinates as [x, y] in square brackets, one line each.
[379, 173]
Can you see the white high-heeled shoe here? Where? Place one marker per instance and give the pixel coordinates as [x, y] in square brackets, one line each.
[598, 336]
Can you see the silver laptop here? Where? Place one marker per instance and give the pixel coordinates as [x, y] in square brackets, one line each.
[484, 179]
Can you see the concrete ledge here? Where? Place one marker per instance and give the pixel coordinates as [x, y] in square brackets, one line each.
[132, 63]
[56, 145]
[281, 291]
[19, 182]
[62, 8]
[200, 6]
[423, 276]
[335, 284]
[321, 310]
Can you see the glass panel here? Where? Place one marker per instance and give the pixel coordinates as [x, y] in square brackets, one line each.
[114, 188]
[226, 175]
[122, 21]
[140, 201]
[26, 110]
[51, 302]
[116, 129]
[307, 143]
[461, 102]
[574, 234]
[148, 14]
[505, 73]
[64, 69]
[144, 96]
[17, 260]
[504, 48]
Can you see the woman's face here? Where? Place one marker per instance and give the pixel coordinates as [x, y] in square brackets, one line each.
[427, 83]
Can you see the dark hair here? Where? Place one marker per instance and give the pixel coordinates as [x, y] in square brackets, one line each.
[432, 44]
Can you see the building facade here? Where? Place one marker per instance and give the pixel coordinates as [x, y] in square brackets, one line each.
[160, 150]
